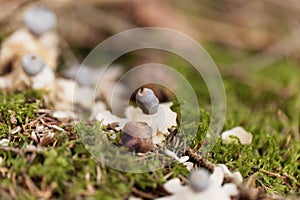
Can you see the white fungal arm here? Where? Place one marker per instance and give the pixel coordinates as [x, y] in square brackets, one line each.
[5, 82]
[16, 45]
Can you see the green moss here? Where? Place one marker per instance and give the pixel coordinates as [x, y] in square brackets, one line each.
[225, 56]
[267, 105]
[16, 107]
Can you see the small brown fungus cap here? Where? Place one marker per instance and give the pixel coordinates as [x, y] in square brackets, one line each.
[137, 136]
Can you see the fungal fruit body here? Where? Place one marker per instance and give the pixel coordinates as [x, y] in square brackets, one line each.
[239, 132]
[199, 180]
[212, 187]
[147, 101]
[32, 64]
[137, 136]
[39, 20]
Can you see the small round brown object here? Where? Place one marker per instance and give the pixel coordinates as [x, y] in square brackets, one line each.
[137, 136]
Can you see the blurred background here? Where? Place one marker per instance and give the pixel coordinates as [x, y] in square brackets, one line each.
[255, 44]
[269, 26]
[243, 37]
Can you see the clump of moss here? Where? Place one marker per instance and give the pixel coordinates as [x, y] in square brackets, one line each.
[70, 171]
[267, 107]
[266, 103]
[16, 108]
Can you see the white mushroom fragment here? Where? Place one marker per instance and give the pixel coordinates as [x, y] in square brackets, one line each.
[22, 42]
[236, 176]
[214, 190]
[4, 142]
[163, 119]
[43, 80]
[159, 122]
[244, 136]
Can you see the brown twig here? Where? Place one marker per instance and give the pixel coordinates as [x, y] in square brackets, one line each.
[292, 178]
[272, 174]
[201, 161]
[12, 149]
[282, 178]
[141, 193]
[251, 180]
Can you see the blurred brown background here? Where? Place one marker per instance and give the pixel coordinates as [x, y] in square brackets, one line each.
[270, 27]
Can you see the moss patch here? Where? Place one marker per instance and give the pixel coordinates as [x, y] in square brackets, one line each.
[265, 102]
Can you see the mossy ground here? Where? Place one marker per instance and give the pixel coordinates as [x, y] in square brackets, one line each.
[265, 102]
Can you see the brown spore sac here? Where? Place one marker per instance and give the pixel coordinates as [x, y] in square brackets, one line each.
[137, 136]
